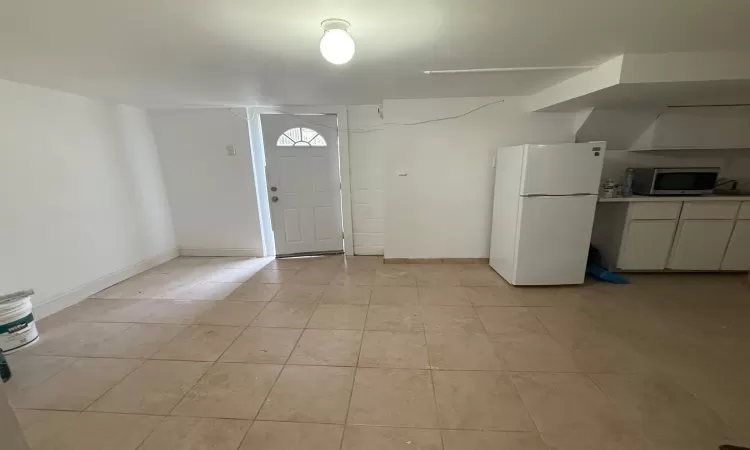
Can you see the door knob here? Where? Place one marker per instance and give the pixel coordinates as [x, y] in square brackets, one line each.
[274, 189]
[274, 199]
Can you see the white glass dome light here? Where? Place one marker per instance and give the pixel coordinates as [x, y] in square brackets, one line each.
[336, 45]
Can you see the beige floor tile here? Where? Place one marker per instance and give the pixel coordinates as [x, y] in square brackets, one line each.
[568, 322]
[199, 343]
[393, 397]
[232, 275]
[56, 430]
[76, 386]
[189, 433]
[451, 319]
[509, 320]
[353, 295]
[339, 317]
[101, 310]
[274, 276]
[285, 315]
[394, 318]
[364, 277]
[604, 353]
[204, 290]
[394, 295]
[230, 313]
[533, 352]
[153, 388]
[171, 311]
[394, 349]
[664, 411]
[254, 292]
[263, 346]
[310, 394]
[596, 440]
[30, 370]
[480, 401]
[76, 339]
[459, 351]
[229, 390]
[435, 279]
[491, 440]
[292, 436]
[327, 348]
[314, 276]
[480, 276]
[393, 276]
[382, 438]
[138, 341]
[569, 403]
[493, 296]
[299, 293]
[550, 296]
[445, 296]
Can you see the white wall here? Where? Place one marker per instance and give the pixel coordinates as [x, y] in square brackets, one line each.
[212, 194]
[443, 207]
[367, 150]
[82, 198]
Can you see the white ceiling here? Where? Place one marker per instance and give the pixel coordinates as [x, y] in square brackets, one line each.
[232, 52]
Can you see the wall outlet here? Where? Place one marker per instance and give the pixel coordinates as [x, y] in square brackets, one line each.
[231, 150]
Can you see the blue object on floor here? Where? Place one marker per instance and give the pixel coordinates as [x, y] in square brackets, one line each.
[600, 273]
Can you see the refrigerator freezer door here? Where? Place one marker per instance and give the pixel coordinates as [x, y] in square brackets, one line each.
[553, 239]
[562, 169]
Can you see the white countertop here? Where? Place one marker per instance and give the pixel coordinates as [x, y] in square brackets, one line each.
[675, 198]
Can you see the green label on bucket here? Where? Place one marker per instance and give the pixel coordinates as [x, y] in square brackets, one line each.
[17, 325]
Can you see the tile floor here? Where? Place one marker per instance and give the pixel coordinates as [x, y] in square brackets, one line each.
[349, 354]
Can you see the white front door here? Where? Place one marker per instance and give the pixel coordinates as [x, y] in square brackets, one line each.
[302, 170]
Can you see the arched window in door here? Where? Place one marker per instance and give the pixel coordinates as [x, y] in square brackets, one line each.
[300, 137]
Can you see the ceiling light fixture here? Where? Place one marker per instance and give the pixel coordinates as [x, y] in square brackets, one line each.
[336, 46]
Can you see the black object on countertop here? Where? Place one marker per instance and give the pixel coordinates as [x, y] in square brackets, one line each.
[4, 368]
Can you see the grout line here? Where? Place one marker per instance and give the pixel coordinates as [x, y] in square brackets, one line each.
[429, 373]
[354, 375]
[165, 416]
[138, 366]
[263, 403]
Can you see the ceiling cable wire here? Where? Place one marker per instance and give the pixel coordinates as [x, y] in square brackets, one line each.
[378, 127]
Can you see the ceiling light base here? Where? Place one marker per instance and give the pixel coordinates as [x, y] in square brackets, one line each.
[335, 24]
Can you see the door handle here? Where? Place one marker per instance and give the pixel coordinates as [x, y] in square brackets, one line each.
[274, 188]
[274, 199]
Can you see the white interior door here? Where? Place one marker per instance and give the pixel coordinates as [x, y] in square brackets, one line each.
[302, 170]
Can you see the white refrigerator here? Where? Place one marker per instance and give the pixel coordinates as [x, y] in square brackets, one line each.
[544, 204]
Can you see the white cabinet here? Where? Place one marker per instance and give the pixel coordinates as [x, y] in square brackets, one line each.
[690, 235]
[737, 256]
[646, 245]
[700, 244]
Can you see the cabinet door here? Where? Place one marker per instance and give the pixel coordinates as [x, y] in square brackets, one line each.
[737, 256]
[646, 245]
[700, 244]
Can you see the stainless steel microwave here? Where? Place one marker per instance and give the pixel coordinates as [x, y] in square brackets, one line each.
[676, 181]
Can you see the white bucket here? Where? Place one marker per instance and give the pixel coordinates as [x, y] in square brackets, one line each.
[17, 327]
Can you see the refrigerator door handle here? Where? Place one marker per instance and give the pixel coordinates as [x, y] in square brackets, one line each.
[581, 194]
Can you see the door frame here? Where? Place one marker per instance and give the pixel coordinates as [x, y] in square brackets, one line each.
[259, 165]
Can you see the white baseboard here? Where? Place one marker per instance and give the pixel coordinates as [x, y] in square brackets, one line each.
[368, 251]
[80, 293]
[236, 252]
